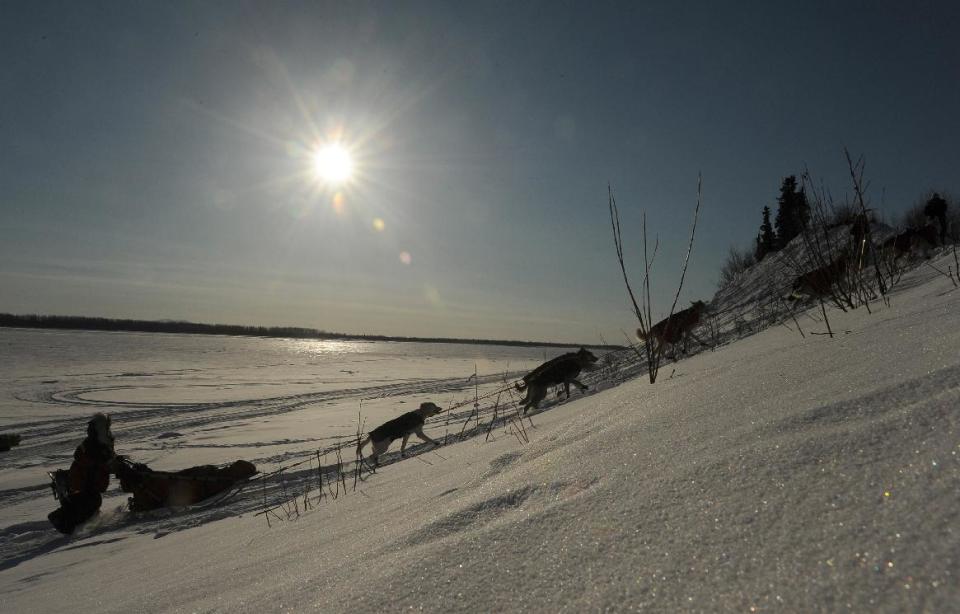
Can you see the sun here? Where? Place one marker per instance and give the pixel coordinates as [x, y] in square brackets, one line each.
[333, 164]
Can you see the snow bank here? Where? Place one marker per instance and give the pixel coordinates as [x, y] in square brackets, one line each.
[779, 472]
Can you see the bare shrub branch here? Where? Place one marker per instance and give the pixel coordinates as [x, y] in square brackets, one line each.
[643, 309]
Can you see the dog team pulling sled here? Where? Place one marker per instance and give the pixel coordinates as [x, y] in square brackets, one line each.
[79, 489]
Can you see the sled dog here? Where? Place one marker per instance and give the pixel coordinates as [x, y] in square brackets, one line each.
[677, 327]
[921, 240]
[403, 426]
[822, 281]
[563, 369]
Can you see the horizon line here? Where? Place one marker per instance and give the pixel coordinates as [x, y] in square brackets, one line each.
[64, 322]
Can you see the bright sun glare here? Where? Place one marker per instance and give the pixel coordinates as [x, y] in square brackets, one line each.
[332, 163]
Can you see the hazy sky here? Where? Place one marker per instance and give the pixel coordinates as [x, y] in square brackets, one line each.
[155, 158]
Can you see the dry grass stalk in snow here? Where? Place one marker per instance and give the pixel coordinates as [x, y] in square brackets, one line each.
[493, 420]
[358, 465]
[643, 310]
[868, 248]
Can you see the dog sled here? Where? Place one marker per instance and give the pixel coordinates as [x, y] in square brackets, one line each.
[60, 484]
[204, 484]
[194, 487]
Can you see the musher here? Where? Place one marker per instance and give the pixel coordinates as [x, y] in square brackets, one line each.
[89, 476]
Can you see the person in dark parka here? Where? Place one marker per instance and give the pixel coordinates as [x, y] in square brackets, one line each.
[88, 477]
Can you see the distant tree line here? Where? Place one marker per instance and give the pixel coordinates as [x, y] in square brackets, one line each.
[9, 320]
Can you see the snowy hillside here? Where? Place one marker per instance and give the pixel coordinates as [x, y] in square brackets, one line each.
[761, 290]
[778, 472]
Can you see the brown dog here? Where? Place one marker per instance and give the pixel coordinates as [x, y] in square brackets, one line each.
[156, 489]
[677, 327]
[821, 281]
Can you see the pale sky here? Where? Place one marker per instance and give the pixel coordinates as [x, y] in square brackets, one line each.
[156, 157]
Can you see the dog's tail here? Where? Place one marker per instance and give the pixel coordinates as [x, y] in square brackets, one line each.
[361, 444]
[640, 335]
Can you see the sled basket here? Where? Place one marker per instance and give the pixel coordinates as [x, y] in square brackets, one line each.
[60, 484]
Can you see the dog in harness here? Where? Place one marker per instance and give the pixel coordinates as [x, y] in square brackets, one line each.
[155, 489]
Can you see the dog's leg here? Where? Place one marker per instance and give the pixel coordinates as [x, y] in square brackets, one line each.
[379, 447]
[526, 398]
[360, 446]
[566, 387]
[423, 437]
[699, 340]
[537, 395]
[579, 384]
[403, 445]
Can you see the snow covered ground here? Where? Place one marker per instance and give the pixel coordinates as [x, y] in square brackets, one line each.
[182, 400]
[775, 473]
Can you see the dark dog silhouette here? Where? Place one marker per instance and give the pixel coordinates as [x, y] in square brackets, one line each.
[911, 239]
[403, 426]
[677, 327]
[155, 489]
[563, 369]
[821, 281]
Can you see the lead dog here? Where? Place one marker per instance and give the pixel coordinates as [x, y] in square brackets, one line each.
[403, 426]
[563, 369]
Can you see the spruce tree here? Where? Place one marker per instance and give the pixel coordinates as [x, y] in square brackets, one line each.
[790, 218]
[766, 240]
[936, 208]
[803, 210]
